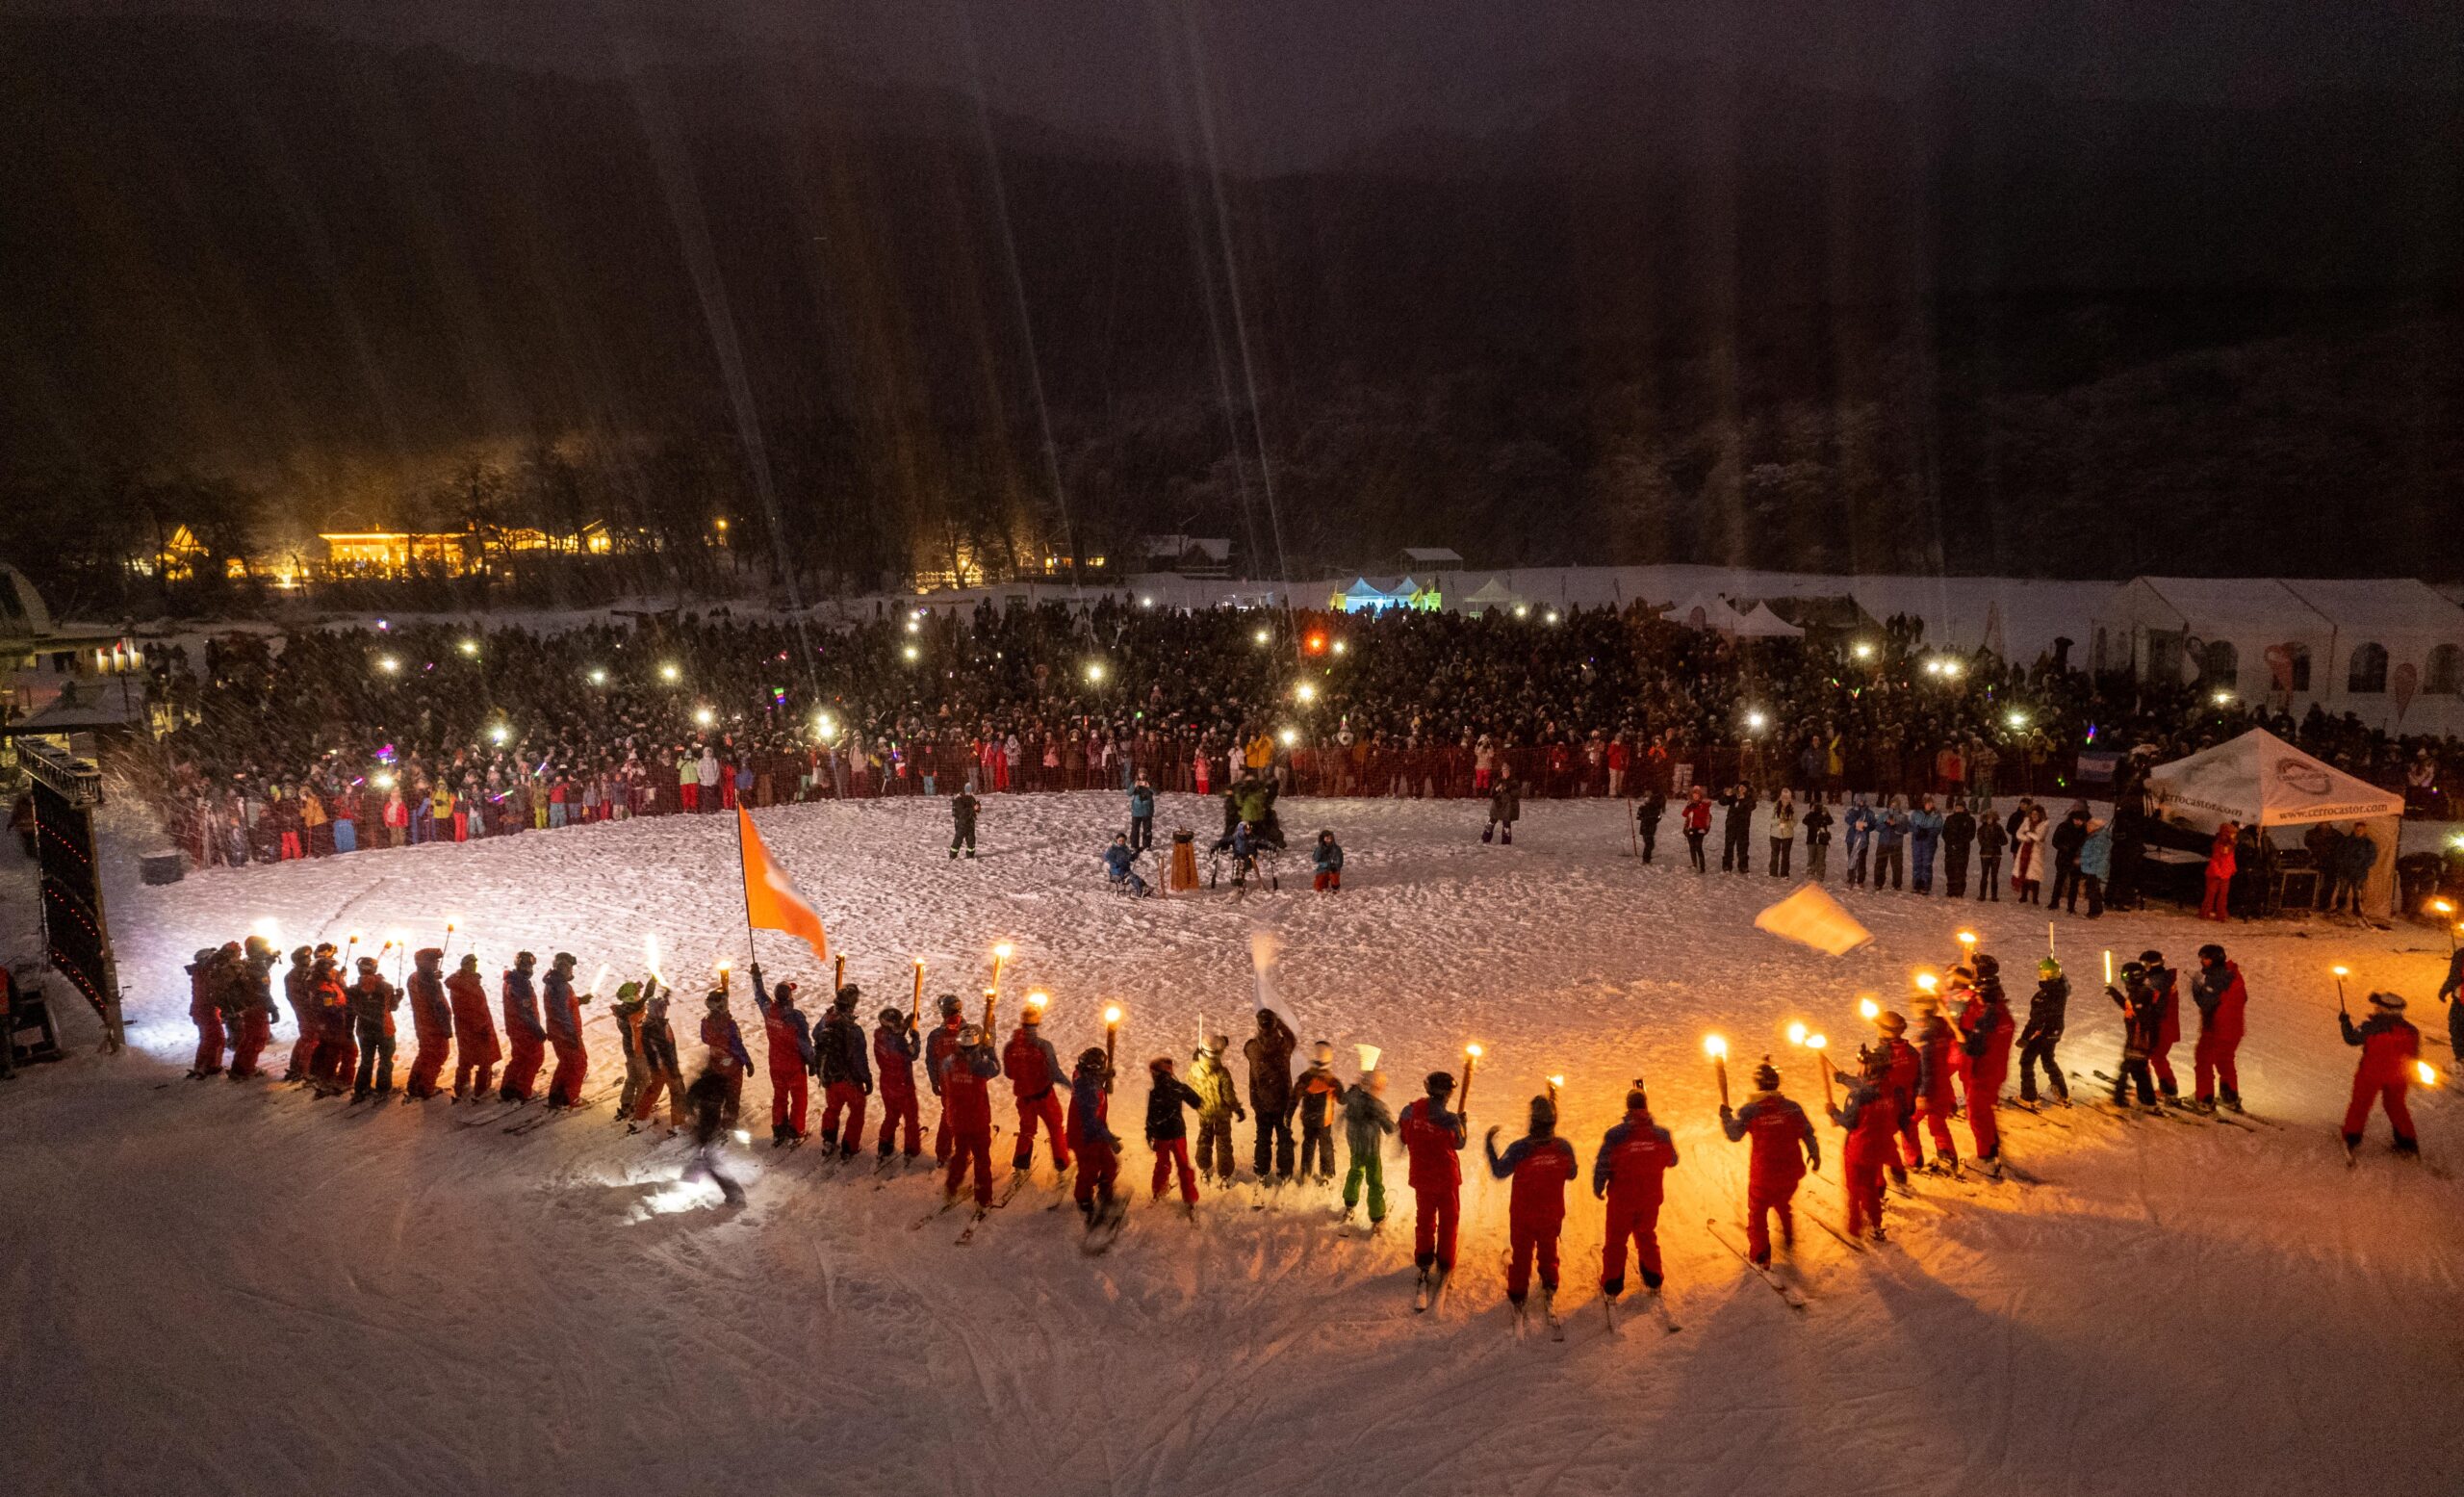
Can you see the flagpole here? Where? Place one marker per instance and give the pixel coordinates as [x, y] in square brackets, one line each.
[744, 890]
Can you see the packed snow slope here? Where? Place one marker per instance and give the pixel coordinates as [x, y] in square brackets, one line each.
[221, 1288]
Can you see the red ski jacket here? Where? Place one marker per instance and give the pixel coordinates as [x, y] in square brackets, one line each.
[1871, 1118]
[1783, 1142]
[2389, 1046]
[1540, 1167]
[967, 1093]
[2221, 996]
[473, 1026]
[431, 1019]
[1434, 1137]
[1989, 1048]
[1634, 1156]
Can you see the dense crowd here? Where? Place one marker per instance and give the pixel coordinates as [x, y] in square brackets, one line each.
[331, 739]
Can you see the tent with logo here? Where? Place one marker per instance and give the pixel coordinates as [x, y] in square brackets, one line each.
[2260, 779]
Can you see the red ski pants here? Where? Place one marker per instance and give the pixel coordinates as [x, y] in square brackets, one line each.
[303, 1054]
[646, 1106]
[471, 1076]
[2387, 1094]
[1865, 1193]
[1527, 1240]
[788, 1099]
[1637, 1221]
[336, 1053]
[428, 1064]
[1046, 1109]
[256, 1029]
[2211, 1063]
[1172, 1154]
[522, 1059]
[971, 1148]
[573, 1069]
[1983, 1127]
[899, 1116]
[1436, 1211]
[1327, 883]
[1936, 1116]
[848, 1097]
[208, 1043]
[2160, 1061]
[1761, 1203]
[1098, 1167]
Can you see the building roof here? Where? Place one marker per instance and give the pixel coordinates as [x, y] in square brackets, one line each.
[2226, 605]
[2381, 606]
[1431, 556]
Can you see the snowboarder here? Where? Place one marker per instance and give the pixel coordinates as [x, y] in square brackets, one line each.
[962, 808]
[431, 1020]
[1434, 1137]
[2042, 1032]
[726, 1042]
[372, 1001]
[1327, 863]
[1783, 1149]
[1505, 805]
[789, 1043]
[560, 1016]
[1092, 1141]
[2389, 1047]
[1636, 1156]
[967, 1097]
[1540, 1163]
[706, 1103]
[1166, 1129]
[1219, 1108]
[846, 1074]
[1870, 1117]
[1315, 1097]
[2165, 982]
[937, 1050]
[2142, 1021]
[895, 1046]
[1988, 1051]
[1033, 1071]
[206, 1014]
[474, 1031]
[1268, 1054]
[2221, 996]
[1366, 1124]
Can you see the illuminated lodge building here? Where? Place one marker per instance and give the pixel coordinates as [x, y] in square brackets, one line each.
[449, 553]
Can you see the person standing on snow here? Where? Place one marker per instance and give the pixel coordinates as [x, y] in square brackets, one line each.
[2451, 993]
[206, 1014]
[967, 1097]
[337, 1050]
[253, 987]
[2046, 1010]
[725, 1041]
[474, 1031]
[1540, 1163]
[1924, 835]
[938, 1047]
[1737, 830]
[1167, 1131]
[2166, 984]
[1268, 1054]
[1816, 823]
[962, 808]
[431, 1020]
[2389, 1046]
[1219, 1108]
[1033, 1071]
[1859, 826]
[1434, 1137]
[1315, 1097]
[560, 1016]
[1647, 813]
[789, 1043]
[1092, 1142]
[627, 1011]
[1958, 834]
[1937, 1042]
[2221, 997]
[895, 1046]
[1695, 821]
[1783, 1149]
[1142, 815]
[1326, 864]
[2142, 1020]
[846, 1076]
[1628, 1175]
[706, 1102]
[1902, 1068]
[1366, 1125]
[299, 991]
[1988, 1051]
[658, 1051]
[372, 1001]
[1870, 1117]
[1506, 806]
[1991, 840]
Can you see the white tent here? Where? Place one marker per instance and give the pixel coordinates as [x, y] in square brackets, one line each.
[2260, 779]
[1491, 594]
[1706, 610]
[1760, 623]
[1364, 595]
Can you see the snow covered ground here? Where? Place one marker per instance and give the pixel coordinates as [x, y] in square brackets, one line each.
[212, 1288]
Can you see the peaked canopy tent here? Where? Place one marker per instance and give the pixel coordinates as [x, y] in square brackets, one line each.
[1760, 623]
[1706, 610]
[1364, 595]
[2260, 779]
[1491, 594]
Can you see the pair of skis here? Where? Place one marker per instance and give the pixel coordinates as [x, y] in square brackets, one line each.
[1787, 1291]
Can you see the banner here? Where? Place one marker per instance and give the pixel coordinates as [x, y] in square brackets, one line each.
[771, 900]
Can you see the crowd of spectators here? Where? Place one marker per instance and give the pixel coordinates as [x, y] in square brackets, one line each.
[330, 739]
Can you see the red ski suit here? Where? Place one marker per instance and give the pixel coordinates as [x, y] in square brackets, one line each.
[1090, 1138]
[1899, 1084]
[1871, 1118]
[967, 1106]
[2221, 997]
[475, 1034]
[299, 991]
[2169, 1028]
[337, 1051]
[1783, 1143]
[1540, 1165]
[2389, 1048]
[207, 1014]
[1937, 1045]
[1628, 1173]
[938, 1047]
[790, 1048]
[562, 1017]
[1434, 1137]
[432, 1026]
[526, 1039]
[1989, 1050]
[895, 1051]
[1033, 1070]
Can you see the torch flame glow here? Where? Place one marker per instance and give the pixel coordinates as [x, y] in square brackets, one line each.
[2422, 1068]
[1927, 982]
[1112, 1015]
[1869, 1009]
[1796, 1033]
[1715, 1047]
[1003, 951]
[1968, 937]
[2344, 971]
[1816, 1042]
[1472, 1050]
[1038, 999]
[1557, 1081]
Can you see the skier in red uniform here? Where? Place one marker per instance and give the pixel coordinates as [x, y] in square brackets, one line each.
[895, 1046]
[1033, 1071]
[1784, 1149]
[790, 1045]
[523, 1032]
[299, 991]
[561, 1016]
[1092, 1141]
[1937, 1041]
[1628, 1173]
[728, 1059]
[1434, 1137]
[337, 1051]
[1902, 1066]
[2167, 984]
[2219, 991]
[431, 1020]
[2390, 1047]
[846, 1076]
[966, 1081]
[1988, 1047]
[1871, 1119]
[938, 1046]
[1540, 1163]
[252, 993]
[206, 1014]
[475, 1032]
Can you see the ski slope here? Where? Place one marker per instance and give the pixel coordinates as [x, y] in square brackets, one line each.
[217, 1289]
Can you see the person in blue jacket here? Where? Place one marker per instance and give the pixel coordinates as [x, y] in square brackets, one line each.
[1890, 833]
[1142, 815]
[1120, 863]
[1859, 825]
[1329, 861]
[1924, 835]
[2095, 865]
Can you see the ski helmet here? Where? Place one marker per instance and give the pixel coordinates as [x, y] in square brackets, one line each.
[2152, 957]
[2387, 1002]
[526, 960]
[949, 1004]
[2211, 952]
[368, 964]
[258, 945]
[470, 960]
[785, 992]
[2133, 971]
[1324, 1052]
[717, 1001]
[1766, 1076]
[1034, 1015]
[300, 955]
[1637, 1099]
[564, 959]
[2048, 969]
[1092, 1058]
[1873, 1058]
[1988, 966]
[1161, 1065]
[428, 957]
[892, 1017]
[628, 991]
[1892, 1024]
[204, 954]
[845, 1002]
[1441, 1083]
[1544, 1113]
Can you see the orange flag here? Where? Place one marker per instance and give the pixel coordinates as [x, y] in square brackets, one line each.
[771, 901]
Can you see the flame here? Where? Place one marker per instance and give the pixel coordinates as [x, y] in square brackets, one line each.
[1796, 1033]
[2422, 1068]
[1472, 1050]
[1816, 1042]
[1927, 982]
[1869, 1009]
[1038, 999]
[1557, 1081]
[1004, 951]
[2343, 971]
[1968, 937]
[1112, 1015]
[1715, 1047]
